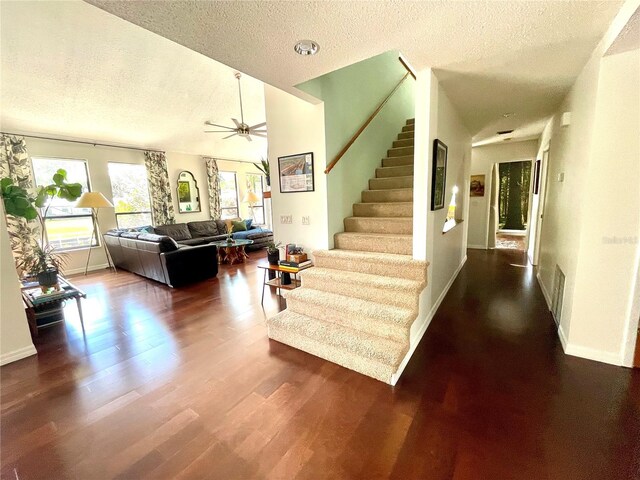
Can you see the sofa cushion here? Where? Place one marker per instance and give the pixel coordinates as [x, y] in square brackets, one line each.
[167, 244]
[193, 241]
[248, 222]
[207, 228]
[250, 233]
[239, 226]
[130, 234]
[222, 226]
[177, 231]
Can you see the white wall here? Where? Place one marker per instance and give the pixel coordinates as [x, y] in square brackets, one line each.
[590, 226]
[296, 126]
[483, 159]
[15, 339]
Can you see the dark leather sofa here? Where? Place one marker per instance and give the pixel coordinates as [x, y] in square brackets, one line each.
[160, 258]
[199, 233]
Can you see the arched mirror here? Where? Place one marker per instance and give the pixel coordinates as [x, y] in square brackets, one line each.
[188, 194]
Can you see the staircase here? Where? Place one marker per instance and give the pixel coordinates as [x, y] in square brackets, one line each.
[356, 306]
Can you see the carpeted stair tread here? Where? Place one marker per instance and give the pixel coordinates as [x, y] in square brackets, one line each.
[383, 209]
[405, 160]
[405, 142]
[344, 305]
[388, 195]
[375, 242]
[400, 152]
[381, 350]
[396, 171]
[391, 182]
[366, 366]
[409, 128]
[405, 135]
[394, 225]
[411, 121]
[385, 264]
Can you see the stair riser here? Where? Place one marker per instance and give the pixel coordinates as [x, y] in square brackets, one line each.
[332, 354]
[406, 135]
[401, 226]
[400, 152]
[388, 183]
[356, 322]
[411, 121]
[403, 143]
[408, 128]
[397, 161]
[400, 246]
[389, 172]
[416, 272]
[383, 210]
[335, 284]
[401, 195]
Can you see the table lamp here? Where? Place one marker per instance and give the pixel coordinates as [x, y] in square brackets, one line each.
[251, 198]
[94, 201]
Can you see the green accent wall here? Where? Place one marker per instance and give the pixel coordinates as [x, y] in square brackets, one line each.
[350, 96]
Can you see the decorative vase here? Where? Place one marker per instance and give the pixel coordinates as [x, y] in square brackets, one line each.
[229, 239]
[48, 278]
[274, 257]
[286, 278]
[268, 180]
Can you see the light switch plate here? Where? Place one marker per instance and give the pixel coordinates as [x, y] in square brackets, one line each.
[305, 220]
[286, 219]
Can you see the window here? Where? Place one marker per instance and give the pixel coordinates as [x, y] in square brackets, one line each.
[229, 195]
[66, 227]
[130, 194]
[254, 183]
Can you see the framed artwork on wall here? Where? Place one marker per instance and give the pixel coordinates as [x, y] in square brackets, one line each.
[296, 173]
[438, 174]
[476, 188]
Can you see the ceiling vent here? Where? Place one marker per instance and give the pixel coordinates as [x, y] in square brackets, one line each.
[505, 132]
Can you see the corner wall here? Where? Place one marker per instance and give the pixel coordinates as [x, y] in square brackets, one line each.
[296, 126]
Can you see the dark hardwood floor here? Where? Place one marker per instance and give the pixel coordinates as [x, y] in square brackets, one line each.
[184, 384]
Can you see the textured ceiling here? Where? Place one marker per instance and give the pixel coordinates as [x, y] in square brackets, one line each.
[72, 70]
[492, 56]
[629, 37]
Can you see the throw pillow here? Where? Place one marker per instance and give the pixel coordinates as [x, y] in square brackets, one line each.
[248, 223]
[239, 226]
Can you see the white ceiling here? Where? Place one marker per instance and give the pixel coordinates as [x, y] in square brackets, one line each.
[71, 70]
[492, 56]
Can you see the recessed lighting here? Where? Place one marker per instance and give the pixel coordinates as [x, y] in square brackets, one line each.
[306, 47]
[508, 114]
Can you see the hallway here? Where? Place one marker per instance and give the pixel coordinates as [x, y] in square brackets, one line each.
[183, 383]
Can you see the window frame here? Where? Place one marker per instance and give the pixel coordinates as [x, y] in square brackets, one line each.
[264, 220]
[95, 237]
[237, 207]
[117, 214]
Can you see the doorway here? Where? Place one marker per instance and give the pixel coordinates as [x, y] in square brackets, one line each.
[512, 204]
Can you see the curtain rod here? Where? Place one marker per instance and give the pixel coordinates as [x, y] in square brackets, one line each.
[95, 144]
[98, 144]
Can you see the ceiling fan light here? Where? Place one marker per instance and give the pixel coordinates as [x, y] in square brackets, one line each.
[306, 47]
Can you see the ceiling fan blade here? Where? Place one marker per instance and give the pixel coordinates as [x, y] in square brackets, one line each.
[257, 125]
[216, 125]
[236, 122]
[248, 137]
[258, 134]
[216, 131]
[258, 131]
[232, 135]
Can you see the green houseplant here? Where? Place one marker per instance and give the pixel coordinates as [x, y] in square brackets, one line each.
[273, 252]
[264, 168]
[20, 204]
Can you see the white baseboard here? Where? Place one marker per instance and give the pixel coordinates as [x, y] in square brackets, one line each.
[16, 355]
[563, 339]
[593, 354]
[545, 294]
[477, 247]
[426, 323]
[92, 268]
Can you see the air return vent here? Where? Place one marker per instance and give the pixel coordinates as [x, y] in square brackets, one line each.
[558, 295]
[504, 132]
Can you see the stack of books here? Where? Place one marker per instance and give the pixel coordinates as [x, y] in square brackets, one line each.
[293, 267]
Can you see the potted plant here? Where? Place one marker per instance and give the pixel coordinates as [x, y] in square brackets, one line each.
[273, 253]
[229, 233]
[264, 168]
[44, 264]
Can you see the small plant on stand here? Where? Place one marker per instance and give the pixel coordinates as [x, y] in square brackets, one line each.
[229, 233]
[264, 168]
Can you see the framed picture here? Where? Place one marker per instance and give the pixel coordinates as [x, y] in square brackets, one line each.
[438, 174]
[296, 173]
[536, 178]
[476, 188]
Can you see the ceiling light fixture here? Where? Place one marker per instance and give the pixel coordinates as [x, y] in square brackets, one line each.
[306, 47]
[508, 114]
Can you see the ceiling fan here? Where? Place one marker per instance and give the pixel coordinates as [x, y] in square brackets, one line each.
[241, 129]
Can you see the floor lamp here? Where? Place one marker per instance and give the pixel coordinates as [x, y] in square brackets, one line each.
[94, 201]
[251, 198]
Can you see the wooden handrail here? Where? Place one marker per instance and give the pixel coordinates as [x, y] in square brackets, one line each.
[366, 124]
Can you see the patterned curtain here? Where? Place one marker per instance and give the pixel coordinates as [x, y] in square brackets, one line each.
[160, 188]
[213, 183]
[14, 163]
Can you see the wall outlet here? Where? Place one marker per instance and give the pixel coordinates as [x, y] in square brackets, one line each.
[286, 219]
[305, 220]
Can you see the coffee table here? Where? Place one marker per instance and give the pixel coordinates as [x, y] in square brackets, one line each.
[232, 252]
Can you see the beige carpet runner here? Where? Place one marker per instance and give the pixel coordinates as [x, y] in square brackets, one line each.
[356, 306]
